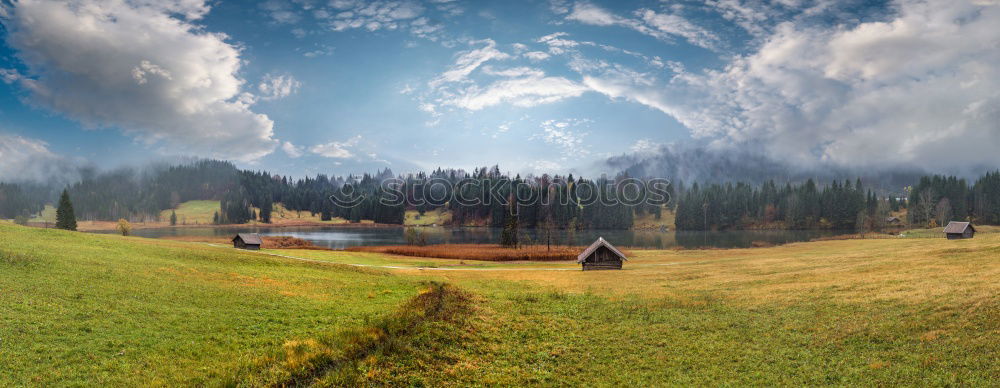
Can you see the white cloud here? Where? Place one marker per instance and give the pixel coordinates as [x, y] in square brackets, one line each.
[321, 51]
[563, 135]
[917, 90]
[559, 7]
[536, 55]
[9, 76]
[388, 15]
[558, 45]
[749, 15]
[273, 87]
[501, 129]
[469, 61]
[280, 12]
[27, 159]
[337, 150]
[518, 86]
[658, 25]
[632, 87]
[292, 150]
[138, 67]
[514, 72]
[523, 92]
[645, 146]
[588, 13]
[672, 24]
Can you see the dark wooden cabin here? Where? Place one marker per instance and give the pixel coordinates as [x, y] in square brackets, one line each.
[601, 255]
[959, 230]
[250, 241]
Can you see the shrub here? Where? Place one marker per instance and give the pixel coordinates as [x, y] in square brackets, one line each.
[124, 227]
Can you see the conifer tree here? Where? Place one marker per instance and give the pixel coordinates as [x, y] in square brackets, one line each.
[173, 218]
[65, 219]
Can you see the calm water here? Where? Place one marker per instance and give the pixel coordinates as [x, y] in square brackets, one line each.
[343, 237]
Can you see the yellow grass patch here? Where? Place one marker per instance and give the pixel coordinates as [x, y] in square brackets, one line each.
[860, 271]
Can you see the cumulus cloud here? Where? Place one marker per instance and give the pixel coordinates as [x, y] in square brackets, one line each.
[337, 150]
[273, 87]
[918, 89]
[292, 150]
[27, 159]
[142, 66]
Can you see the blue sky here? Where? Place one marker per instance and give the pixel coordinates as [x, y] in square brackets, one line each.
[303, 87]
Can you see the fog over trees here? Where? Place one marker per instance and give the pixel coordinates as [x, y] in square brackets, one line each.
[483, 197]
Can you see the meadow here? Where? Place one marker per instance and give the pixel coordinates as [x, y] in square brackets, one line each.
[480, 252]
[95, 309]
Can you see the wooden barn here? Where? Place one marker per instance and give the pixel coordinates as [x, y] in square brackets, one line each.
[251, 241]
[601, 255]
[959, 230]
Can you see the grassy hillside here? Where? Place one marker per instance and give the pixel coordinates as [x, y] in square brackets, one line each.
[649, 221]
[193, 213]
[81, 309]
[439, 217]
[280, 215]
[77, 308]
[47, 215]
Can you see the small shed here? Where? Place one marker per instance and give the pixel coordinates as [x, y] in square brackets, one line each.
[959, 230]
[601, 255]
[893, 221]
[250, 241]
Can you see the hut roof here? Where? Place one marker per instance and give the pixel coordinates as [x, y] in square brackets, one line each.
[249, 238]
[597, 244]
[958, 227]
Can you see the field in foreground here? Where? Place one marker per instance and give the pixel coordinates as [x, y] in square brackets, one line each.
[78, 308]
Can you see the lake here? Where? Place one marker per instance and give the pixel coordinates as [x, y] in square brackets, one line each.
[343, 237]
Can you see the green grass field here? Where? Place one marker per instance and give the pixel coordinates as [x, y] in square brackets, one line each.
[203, 212]
[439, 217]
[81, 309]
[47, 215]
[193, 213]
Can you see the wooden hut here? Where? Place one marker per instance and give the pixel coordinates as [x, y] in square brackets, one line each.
[250, 241]
[959, 230]
[601, 255]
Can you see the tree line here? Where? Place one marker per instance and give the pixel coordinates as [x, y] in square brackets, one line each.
[937, 199]
[838, 205]
[485, 196]
[933, 201]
